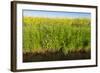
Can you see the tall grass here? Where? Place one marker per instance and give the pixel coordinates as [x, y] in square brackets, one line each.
[55, 34]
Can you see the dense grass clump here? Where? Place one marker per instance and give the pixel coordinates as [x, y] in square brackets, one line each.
[56, 34]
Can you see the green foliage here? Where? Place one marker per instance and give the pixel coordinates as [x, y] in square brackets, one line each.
[53, 34]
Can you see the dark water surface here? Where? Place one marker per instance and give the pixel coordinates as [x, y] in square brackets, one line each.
[55, 56]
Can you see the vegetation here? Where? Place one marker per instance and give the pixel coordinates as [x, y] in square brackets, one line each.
[68, 35]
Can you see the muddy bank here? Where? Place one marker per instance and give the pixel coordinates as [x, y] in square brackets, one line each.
[54, 56]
